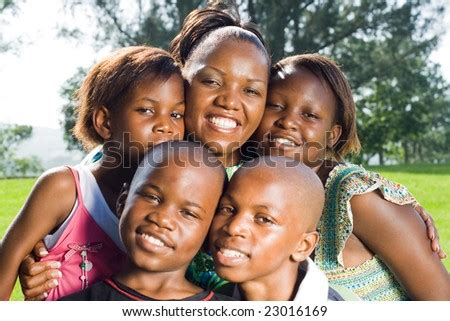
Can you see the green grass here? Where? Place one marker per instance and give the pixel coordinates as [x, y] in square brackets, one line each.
[13, 193]
[429, 183]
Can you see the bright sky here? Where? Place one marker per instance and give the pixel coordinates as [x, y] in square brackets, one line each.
[30, 81]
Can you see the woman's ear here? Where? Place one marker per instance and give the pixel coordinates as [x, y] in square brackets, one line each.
[120, 205]
[305, 246]
[333, 135]
[101, 122]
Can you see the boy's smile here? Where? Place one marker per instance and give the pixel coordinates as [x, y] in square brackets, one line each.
[254, 233]
[164, 224]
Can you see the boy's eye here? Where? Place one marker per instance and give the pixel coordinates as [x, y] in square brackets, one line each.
[189, 213]
[252, 92]
[227, 210]
[146, 110]
[151, 198]
[176, 115]
[264, 220]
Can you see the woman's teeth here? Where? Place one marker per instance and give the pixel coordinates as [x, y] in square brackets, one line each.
[153, 240]
[223, 122]
[285, 141]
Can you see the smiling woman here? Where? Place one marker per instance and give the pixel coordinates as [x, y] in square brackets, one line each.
[226, 66]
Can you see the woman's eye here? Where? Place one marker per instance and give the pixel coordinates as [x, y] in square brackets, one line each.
[211, 82]
[252, 91]
[176, 115]
[146, 111]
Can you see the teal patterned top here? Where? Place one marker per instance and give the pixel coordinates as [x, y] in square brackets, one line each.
[371, 280]
[201, 271]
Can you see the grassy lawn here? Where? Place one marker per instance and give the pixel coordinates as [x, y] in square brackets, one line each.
[13, 193]
[429, 183]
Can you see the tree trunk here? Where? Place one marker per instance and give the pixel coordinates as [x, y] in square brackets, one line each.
[381, 157]
[406, 152]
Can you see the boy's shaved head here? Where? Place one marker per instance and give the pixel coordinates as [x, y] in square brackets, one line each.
[181, 154]
[301, 184]
[265, 224]
[167, 212]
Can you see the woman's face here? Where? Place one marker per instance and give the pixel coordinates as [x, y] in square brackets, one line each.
[225, 95]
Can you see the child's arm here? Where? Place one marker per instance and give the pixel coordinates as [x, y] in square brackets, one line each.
[397, 235]
[47, 206]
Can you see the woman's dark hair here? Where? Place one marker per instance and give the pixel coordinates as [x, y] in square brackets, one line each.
[110, 82]
[201, 22]
[328, 71]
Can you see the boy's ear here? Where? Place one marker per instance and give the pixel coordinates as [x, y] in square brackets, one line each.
[305, 246]
[120, 205]
[333, 135]
[101, 122]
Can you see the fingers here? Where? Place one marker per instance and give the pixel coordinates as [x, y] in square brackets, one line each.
[37, 278]
[40, 250]
[442, 254]
[40, 291]
[41, 297]
[431, 231]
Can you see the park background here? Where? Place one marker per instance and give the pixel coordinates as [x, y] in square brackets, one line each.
[396, 55]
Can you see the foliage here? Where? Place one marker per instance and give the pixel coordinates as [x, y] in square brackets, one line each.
[8, 7]
[383, 46]
[10, 165]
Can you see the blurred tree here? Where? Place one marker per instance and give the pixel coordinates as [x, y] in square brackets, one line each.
[6, 6]
[68, 90]
[383, 46]
[10, 165]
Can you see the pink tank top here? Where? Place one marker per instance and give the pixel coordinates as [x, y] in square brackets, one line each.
[86, 252]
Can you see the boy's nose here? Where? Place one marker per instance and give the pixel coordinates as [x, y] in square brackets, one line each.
[163, 218]
[237, 225]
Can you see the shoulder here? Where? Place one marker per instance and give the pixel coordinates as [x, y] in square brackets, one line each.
[347, 180]
[53, 192]
[58, 178]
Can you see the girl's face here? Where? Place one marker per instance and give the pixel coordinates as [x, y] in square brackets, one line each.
[299, 120]
[225, 95]
[153, 114]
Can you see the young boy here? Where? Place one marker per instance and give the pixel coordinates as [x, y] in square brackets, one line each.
[261, 238]
[165, 216]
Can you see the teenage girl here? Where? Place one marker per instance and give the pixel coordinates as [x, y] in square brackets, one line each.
[372, 242]
[128, 102]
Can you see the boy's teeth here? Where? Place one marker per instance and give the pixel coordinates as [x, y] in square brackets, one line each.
[284, 141]
[223, 122]
[153, 240]
[231, 253]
